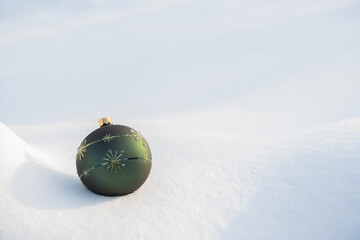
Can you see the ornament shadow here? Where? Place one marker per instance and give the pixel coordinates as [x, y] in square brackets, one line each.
[41, 187]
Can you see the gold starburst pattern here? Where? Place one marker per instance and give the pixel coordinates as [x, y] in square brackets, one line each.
[138, 136]
[114, 160]
[85, 173]
[146, 157]
[81, 150]
[108, 138]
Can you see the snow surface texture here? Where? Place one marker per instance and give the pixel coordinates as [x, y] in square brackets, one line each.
[302, 186]
[225, 92]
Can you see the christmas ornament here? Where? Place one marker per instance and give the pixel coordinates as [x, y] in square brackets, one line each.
[113, 160]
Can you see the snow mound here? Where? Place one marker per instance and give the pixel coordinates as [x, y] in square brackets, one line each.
[304, 186]
[311, 190]
[187, 195]
[12, 151]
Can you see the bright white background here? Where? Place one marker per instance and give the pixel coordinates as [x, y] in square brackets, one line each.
[273, 65]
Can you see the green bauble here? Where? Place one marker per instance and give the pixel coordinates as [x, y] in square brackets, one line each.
[113, 160]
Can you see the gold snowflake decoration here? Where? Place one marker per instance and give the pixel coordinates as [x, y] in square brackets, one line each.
[138, 136]
[81, 150]
[108, 138]
[114, 160]
[85, 173]
[146, 157]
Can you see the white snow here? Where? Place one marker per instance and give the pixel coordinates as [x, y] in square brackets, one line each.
[299, 186]
[251, 110]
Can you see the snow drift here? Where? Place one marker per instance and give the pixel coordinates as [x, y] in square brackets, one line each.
[304, 186]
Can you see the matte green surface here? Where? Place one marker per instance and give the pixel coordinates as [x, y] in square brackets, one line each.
[113, 160]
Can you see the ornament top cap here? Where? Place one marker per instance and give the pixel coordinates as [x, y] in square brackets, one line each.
[105, 121]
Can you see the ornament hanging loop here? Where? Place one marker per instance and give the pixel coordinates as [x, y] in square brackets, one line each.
[105, 121]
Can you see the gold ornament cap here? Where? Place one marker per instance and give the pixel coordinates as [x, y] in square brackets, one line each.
[105, 121]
